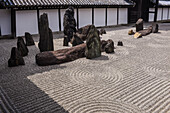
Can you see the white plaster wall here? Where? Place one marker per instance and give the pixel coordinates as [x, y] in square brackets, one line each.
[85, 17]
[26, 21]
[151, 15]
[159, 16]
[5, 21]
[53, 18]
[62, 12]
[123, 15]
[112, 16]
[99, 16]
[169, 14]
[165, 13]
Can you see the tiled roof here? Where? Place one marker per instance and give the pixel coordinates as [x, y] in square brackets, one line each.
[16, 3]
[163, 2]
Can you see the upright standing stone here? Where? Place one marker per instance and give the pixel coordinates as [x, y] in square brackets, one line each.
[139, 25]
[69, 24]
[29, 40]
[46, 36]
[155, 28]
[93, 44]
[21, 46]
[15, 59]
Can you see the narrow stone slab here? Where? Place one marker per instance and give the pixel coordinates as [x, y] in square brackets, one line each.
[139, 25]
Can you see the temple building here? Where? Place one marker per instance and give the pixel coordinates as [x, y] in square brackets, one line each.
[20, 16]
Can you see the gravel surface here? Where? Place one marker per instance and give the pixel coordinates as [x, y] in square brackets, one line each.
[135, 79]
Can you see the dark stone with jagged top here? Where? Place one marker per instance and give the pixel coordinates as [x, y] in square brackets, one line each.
[139, 25]
[21, 46]
[15, 59]
[109, 48]
[120, 43]
[155, 28]
[29, 40]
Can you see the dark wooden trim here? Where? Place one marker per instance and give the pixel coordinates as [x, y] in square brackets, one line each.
[59, 15]
[38, 20]
[162, 14]
[117, 16]
[77, 18]
[13, 22]
[106, 18]
[0, 31]
[93, 16]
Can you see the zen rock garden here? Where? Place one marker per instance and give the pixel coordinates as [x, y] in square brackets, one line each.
[86, 42]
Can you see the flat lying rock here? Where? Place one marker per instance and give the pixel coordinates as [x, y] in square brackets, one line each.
[15, 59]
[137, 35]
[60, 56]
[29, 40]
[21, 46]
[93, 44]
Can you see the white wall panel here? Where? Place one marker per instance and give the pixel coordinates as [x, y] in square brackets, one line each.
[85, 17]
[123, 15]
[26, 21]
[52, 18]
[169, 13]
[5, 21]
[99, 16]
[159, 16]
[112, 16]
[62, 17]
[165, 13]
[151, 15]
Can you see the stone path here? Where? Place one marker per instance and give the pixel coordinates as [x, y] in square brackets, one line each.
[136, 79]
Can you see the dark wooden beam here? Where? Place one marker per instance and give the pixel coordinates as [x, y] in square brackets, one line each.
[162, 13]
[38, 20]
[59, 15]
[156, 11]
[0, 31]
[117, 16]
[93, 16]
[106, 18]
[168, 14]
[13, 23]
[77, 18]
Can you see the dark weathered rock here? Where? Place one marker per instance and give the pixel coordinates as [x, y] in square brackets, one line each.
[103, 44]
[130, 32]
[65, 41]
[102, 31]
[93, 44]
[46, 36]
[155, 28]
[146, 31]
[109, 48]
[120, 43]
[29, 40]
[60, 56]
[69, 24]
[21, 46]
[76, 40]
[139, 25]
[15, 59]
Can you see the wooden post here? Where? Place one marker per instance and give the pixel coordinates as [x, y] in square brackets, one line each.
[38, 14]
[93, 16]
[13, 22]
[117, 16]
[59, 15]
[156, 11]
[106, 18]
[77, 18]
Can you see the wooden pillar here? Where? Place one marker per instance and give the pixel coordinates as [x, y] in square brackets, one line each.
[77, 18]
[106, 18]
[38, 20]
[0, 31]
[13, 23]
[93, 16]
[59, 15]
[156, 11]
[117, 16]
